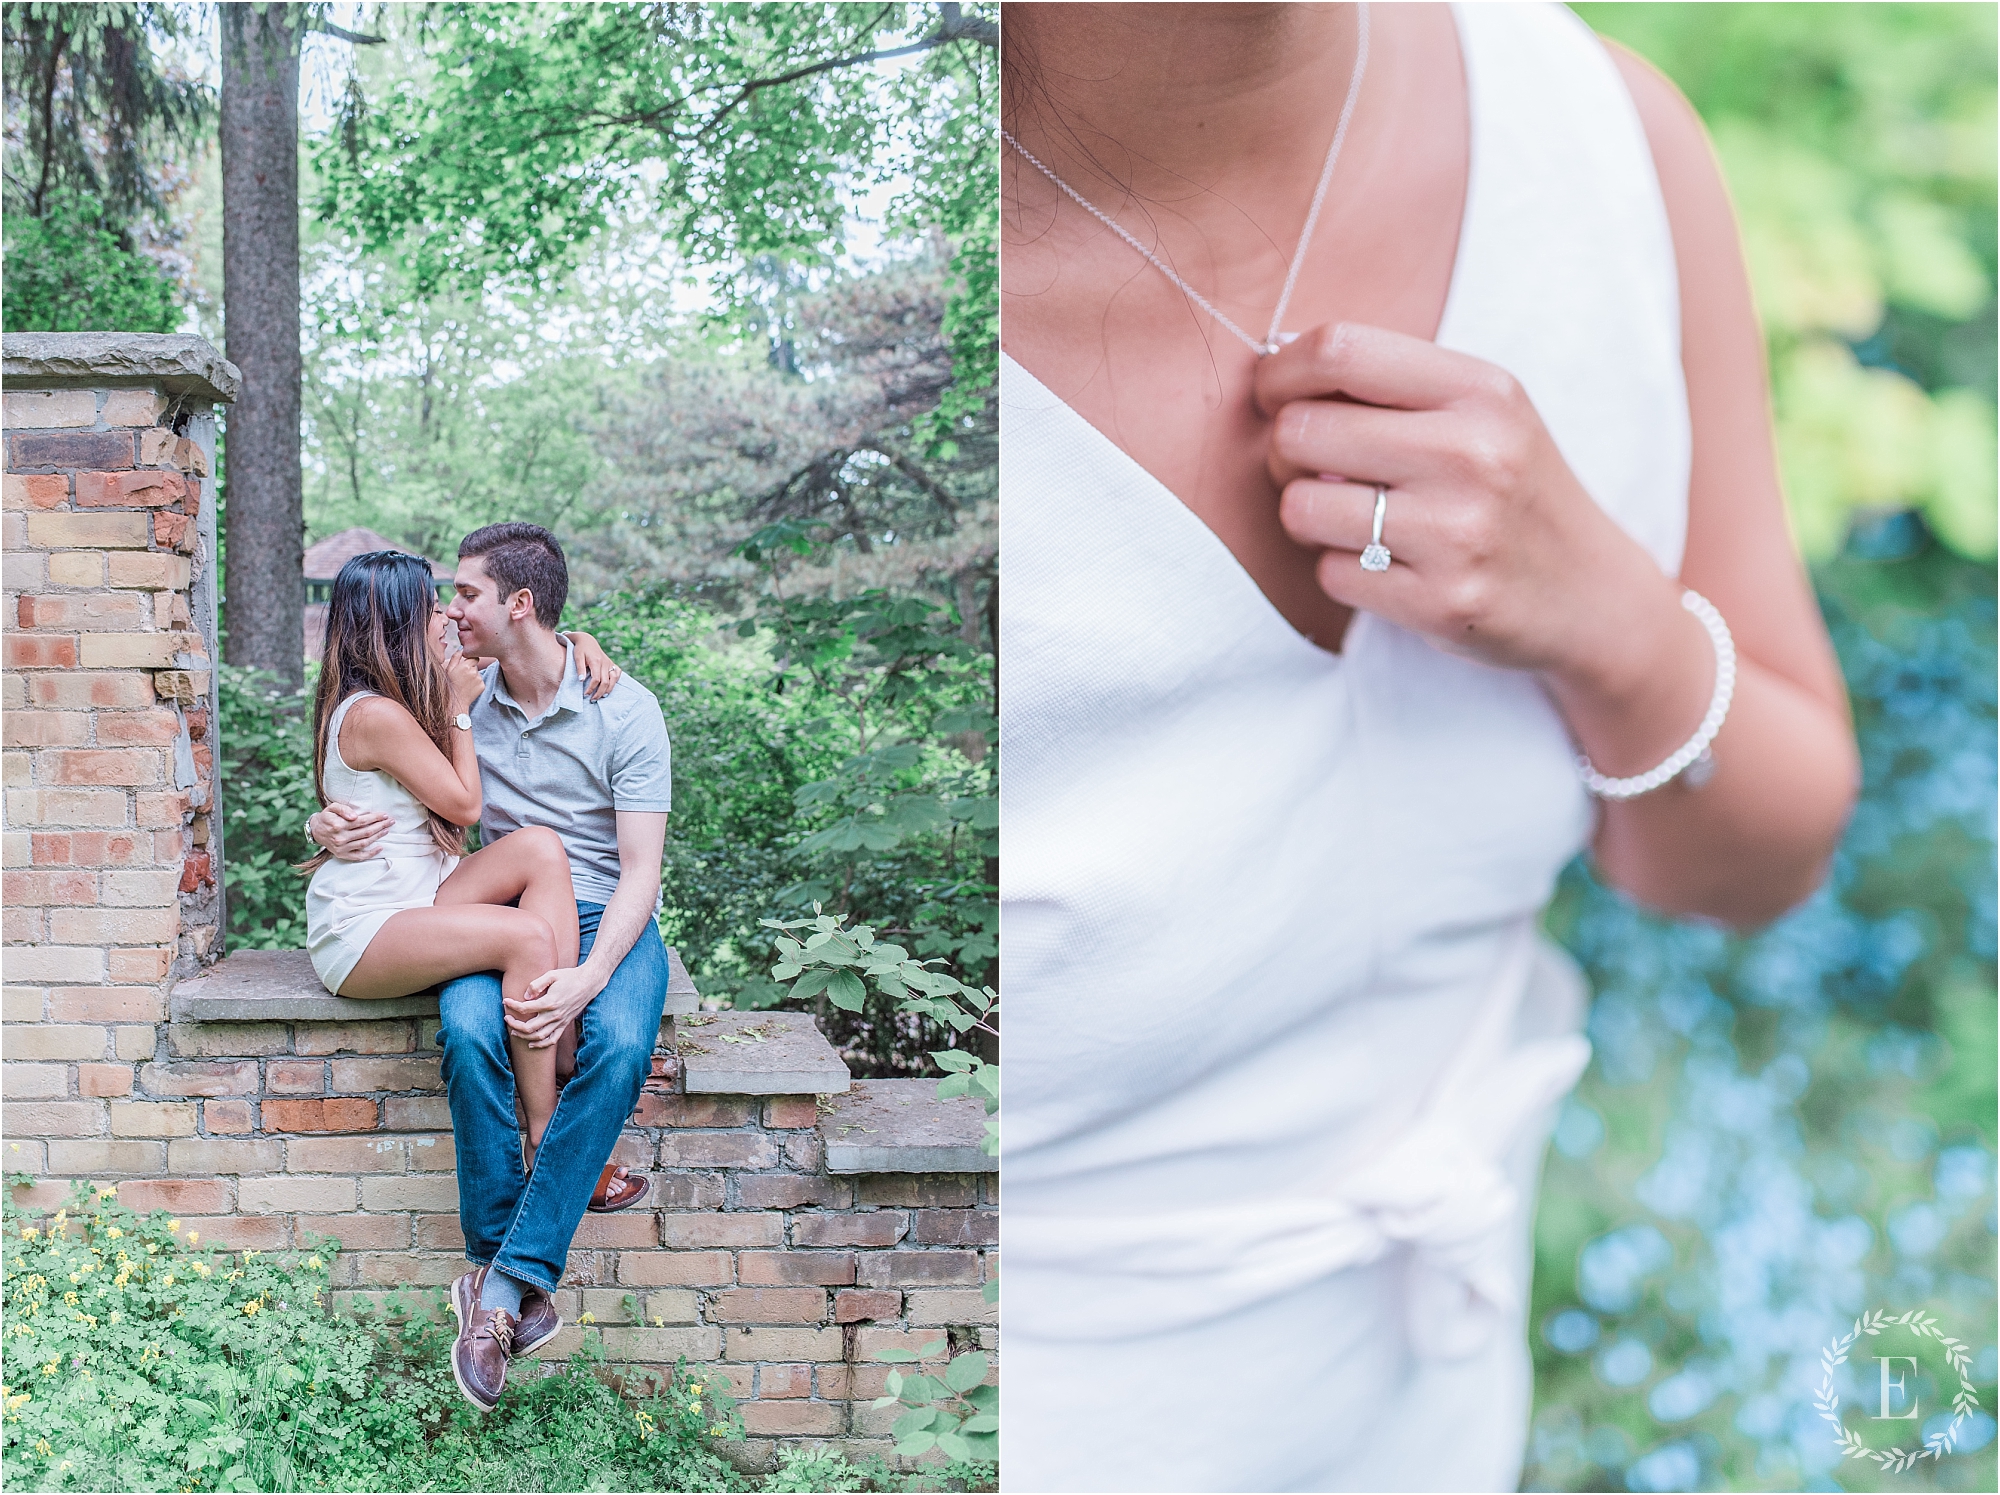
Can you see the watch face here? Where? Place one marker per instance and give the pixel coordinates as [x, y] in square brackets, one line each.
[465, 721]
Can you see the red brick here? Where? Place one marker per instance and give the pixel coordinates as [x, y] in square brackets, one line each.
[918, 1269]
[859, 1305]
[155, 728]
[718, 1150]
[37, 652]
[357, 1075]
[792, 1191]
[92, 849]
[123, 766]
[768, 1305]
[44, 728]
[42, 889]
[343, 1115]
[178, 1196]
[791, 1111]
[694, 1110]
[674, 1268]
[239, 1078]
[104, 1079]
[361, 1232]
[238, 1232]
[839, 1383]
[226, 1116]
[102, 450]
[44, 491]
[169, 529]
[139, 965]
[416, 1113]
[802, 1151]
[91, 612]
[612, 1232]
[684, 1191]
[129, 490]
[879, 1228]
[439, 1233]
[155, 811]
[796, 1268]
[747, 1229]
[957, 1227]
[295, 1077]
[197, 872]
[127, 689]
[793, 1419]
[778, 1382]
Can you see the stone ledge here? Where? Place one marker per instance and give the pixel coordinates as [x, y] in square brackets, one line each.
[900, 1126]
[177, 363]
[270, 986]
[757, 1053]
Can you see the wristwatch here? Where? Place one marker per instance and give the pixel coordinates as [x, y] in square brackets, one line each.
[462, 721]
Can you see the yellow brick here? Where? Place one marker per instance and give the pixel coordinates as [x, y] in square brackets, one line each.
[138, 1118]
[77, 568]
[116, 531]
[22, 1004]
[43, 409]
[129, 651]
[34, 1081]
[136, 1043]
[142, 889]
[150, 570]
[54, 963]
[133, 407]
[57, 1041]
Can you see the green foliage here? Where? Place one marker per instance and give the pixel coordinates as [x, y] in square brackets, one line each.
[955, 1412]
[68, 271]
[1859, 142]
[137, 1359]
[265, 784]
[536, 127]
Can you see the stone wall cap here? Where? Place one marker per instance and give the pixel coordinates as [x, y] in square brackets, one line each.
[179, 363]
[757, 1053]
[272, 986]
[900, 1126]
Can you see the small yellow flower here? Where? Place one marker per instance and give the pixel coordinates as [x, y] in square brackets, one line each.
[114, 1318]
[42, 1447]
[696, 1388]
[658, 1322]
[587, 1318]
[168, 1280]
[251, 1307]
[172, 1226]
[152, 1247]
[193, 1236]
[313, 1262]
[30, 1234]
[106, 1193]
[70, 1298]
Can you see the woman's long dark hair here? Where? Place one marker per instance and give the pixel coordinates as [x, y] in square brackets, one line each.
[377, 638]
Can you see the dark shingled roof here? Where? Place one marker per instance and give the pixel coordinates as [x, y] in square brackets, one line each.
[324, 560]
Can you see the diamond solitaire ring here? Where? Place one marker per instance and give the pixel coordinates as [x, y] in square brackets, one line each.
[1376, 556]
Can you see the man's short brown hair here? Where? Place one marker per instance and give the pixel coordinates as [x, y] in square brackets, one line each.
[522, 555]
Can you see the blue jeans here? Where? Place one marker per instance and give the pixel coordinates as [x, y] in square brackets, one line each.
[523, 1226]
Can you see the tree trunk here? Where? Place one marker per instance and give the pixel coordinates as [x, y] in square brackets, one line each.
[265, 536]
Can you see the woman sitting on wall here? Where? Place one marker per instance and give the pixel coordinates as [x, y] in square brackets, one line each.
[391, 736]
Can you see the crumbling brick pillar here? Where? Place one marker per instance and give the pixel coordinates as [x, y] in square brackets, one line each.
[110, 849]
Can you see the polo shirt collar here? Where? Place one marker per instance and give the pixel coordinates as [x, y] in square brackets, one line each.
[569, 694]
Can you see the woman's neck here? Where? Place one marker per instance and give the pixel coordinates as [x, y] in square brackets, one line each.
[1170, 103]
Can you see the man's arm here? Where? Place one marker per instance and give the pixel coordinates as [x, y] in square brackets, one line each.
[642, 838]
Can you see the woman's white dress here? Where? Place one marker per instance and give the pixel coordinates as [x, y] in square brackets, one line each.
[1283, 1043]
[347, 903]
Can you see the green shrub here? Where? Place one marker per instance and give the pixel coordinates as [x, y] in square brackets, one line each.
[266, 788]
[137, 1359]
[68, 272]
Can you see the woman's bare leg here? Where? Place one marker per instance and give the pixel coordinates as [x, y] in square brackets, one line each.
[528, 866]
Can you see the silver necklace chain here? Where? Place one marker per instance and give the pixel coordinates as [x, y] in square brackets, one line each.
[1271, 340]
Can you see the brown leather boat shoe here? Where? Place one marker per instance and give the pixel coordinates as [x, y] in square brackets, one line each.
[479, 1353]
[539, 1323]
[617, 1189]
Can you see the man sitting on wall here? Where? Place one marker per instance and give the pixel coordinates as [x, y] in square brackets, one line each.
[597, 772]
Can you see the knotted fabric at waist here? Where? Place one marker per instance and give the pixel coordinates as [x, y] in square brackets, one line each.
[1438, 1188]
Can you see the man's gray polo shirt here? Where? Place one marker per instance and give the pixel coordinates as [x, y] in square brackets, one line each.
[572, 769]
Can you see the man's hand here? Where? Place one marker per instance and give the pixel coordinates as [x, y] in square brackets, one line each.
[551, 1003]
[348, 834]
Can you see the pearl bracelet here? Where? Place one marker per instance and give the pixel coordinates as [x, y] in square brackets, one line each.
[1693, 756]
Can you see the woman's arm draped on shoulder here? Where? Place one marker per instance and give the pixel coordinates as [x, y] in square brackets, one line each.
[1757, 838]
[379, 734]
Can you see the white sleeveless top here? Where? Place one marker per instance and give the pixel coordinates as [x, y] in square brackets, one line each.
[347, 903]
[1282, 1044]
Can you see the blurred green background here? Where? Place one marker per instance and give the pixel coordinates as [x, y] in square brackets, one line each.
[1781, 1132]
